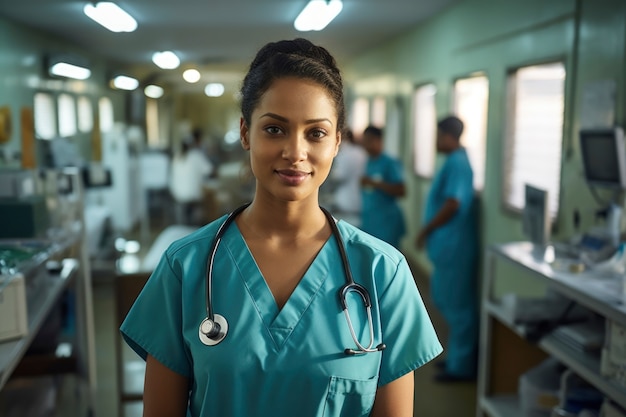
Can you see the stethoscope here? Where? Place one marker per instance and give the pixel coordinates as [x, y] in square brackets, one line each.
[214, 327]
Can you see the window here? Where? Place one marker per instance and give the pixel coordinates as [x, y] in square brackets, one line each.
[85, 114]
[360, 116]
[105, 110]
[471, 96]
[379, 112]
[67, 115]
[534, 133]
[152, 123]
[424, 130]
[45, 116]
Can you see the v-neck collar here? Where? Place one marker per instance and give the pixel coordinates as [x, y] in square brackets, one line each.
[279, 323]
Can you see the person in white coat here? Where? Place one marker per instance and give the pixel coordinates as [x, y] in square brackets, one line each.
[347, 171]
[189, 170]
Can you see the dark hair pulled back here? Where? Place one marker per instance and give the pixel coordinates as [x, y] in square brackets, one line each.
[292, 58]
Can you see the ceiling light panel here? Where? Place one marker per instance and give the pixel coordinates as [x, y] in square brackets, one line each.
[317, 14]
[111, 16]
[166, 60]
[124, 82]
[64, 69]
[191, 75]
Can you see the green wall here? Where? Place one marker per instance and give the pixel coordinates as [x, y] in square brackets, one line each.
[495, 37]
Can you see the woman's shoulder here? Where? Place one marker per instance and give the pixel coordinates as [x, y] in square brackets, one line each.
[356, 239]
[201, 237]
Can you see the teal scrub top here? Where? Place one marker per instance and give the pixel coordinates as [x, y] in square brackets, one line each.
[289, 361]
[381, 214]
[458, 237]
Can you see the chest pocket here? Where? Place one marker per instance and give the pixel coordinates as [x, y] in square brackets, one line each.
[349, 397]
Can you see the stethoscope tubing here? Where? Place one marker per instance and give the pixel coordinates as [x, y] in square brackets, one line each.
[214, 327]
[212, 252]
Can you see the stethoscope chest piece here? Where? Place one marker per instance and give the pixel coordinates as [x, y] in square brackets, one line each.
[213, 332]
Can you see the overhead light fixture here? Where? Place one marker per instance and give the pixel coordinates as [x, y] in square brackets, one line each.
[64, 69]
[166, 60]
[153, 91]
[191, 75]
[214, 89]
[317, 14]
[67, 65]
[111, 16]
[124, 82]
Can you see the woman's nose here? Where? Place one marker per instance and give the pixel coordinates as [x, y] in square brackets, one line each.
[295, 149]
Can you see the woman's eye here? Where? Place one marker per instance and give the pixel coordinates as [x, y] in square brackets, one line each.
[273, 130]
[318, 134]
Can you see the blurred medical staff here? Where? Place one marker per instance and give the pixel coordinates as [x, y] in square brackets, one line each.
[346, 173]
[450, 236]
[382, 184]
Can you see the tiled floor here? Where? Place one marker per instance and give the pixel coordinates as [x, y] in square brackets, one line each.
[431, 399]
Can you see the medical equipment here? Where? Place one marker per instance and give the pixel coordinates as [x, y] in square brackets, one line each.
[214, 327]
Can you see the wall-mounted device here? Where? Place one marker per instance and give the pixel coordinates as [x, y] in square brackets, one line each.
[603, 152]
[536, 217]
[604, 157]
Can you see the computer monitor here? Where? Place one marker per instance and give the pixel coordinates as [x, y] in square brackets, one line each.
[604, 157]
[536, 216]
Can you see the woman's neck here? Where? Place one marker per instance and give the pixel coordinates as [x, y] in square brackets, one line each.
[283, 221]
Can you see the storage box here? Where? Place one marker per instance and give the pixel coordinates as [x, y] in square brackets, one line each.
[24, 217]
[539, 389]
[613, 360]
[13, 312]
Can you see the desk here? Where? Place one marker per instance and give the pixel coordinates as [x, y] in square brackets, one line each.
[505, 354]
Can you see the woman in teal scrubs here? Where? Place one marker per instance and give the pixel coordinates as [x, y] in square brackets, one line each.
[277, 273]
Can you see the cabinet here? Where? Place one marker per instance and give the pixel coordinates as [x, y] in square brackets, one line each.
[505, 353]
[51, 268]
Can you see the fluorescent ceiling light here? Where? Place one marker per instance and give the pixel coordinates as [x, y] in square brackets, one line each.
[317, 14]
[111, 16]
[125, 83]
[191, 75]
[63, 69]
[153, 91]
[166, 60]
[214, 89]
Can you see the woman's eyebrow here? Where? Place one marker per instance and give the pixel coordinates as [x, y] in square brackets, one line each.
[284, 119]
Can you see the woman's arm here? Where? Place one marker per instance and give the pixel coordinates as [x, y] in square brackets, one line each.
[165, 392]
[395, 399]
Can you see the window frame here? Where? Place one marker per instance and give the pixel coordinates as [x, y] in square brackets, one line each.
[414, 133]
[454, 105]
[357, 131]
[509, 128]
[54, 117]
[71, 116]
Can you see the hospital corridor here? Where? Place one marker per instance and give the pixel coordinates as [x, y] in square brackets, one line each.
[313, 208]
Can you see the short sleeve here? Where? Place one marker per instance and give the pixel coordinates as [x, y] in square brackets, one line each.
[395, 172]
[153, 325]
[408, 332]
[458, 180]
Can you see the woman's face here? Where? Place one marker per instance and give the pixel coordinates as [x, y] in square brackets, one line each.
[292, 139]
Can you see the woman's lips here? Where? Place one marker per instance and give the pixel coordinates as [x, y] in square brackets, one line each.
[292, 177]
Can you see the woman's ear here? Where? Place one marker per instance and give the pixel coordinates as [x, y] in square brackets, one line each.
[338, 142]
[244, 134]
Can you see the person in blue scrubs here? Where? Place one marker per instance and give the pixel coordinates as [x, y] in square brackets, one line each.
[277, 273]
[450, 236]
[381, 187]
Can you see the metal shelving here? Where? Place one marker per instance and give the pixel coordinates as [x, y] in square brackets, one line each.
[583, 288]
